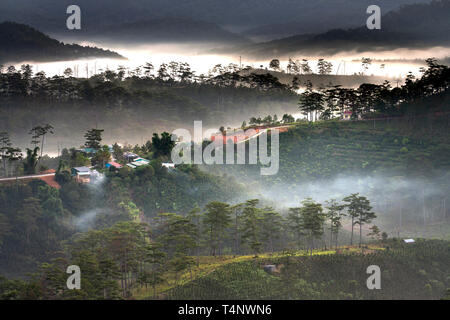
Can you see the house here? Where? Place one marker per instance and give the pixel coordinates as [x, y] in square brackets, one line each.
[81, 174]
[130, 156]
[113, 165]
[138, 162]
[408, 240]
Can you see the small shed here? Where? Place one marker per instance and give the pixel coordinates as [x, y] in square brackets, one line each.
[270, 268]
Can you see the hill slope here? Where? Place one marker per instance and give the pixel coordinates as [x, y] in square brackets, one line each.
[238, 14]
[417, 271]
[415, 26]
[23, 43]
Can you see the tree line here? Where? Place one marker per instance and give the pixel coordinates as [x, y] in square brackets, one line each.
[372, 99]
[10, 154]
[23, 82]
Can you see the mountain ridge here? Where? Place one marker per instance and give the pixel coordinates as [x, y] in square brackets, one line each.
[24, 43]
[414, 26]
[236, 15]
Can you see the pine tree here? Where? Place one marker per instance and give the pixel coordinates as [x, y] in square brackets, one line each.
[93, 138]
[335, 214]
[312, 220]
[251, 228]
[217, 218]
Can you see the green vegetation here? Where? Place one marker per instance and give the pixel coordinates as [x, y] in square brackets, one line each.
[417, 271]
[160, 232]
[132, 243]
[54, 215]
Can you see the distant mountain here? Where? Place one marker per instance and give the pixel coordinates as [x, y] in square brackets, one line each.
[321, 16]
[169, 29]
[414, 26]
[20, 42]
[274, 18]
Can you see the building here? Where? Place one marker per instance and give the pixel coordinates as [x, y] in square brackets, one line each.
[138, 162]
[113, 165]
[130, 156]
[81, 174]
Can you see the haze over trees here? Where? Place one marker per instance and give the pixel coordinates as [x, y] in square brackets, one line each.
[372, 100]
[133, 100]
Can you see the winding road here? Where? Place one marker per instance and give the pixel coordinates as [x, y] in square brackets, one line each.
[34, 176]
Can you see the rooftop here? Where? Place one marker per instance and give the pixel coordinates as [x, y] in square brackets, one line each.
[114, 164]
[82, 169]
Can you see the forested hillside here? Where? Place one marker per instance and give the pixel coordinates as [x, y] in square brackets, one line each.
[20, 42]
[155, 231]
[132, 104]
[35, 218]
[394, 149]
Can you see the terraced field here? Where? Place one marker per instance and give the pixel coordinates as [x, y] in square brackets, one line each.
[418, 271]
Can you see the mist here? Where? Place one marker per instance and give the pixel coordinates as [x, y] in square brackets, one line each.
[403, 204]
[202, 60]
[87, 220]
